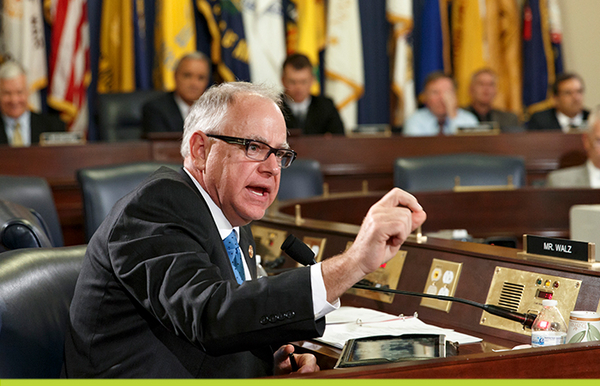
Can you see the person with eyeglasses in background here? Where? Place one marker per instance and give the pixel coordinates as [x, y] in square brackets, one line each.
[169, 286]
[588, 174]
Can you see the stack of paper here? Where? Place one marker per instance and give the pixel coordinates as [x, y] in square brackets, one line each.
[353, 323]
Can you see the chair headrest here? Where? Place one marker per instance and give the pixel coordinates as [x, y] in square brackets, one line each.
[21, 227]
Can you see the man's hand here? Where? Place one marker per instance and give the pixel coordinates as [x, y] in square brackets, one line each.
[386, 226]
[307, 363]
[451, 103]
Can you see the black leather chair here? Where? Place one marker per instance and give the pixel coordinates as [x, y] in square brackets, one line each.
[34, 193]
[103, 186]
[120, 114]
[36, 288]
[302, 179]
[431, 173]
[21, 227]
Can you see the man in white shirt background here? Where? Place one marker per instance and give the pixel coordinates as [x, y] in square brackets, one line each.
[441, 114]
[20, 127]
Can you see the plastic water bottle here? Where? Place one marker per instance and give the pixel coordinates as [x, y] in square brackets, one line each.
[549, 327]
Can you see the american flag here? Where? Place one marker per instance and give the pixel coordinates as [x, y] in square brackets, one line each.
[70, 62]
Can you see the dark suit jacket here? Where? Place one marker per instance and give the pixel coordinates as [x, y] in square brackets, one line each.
[157, 297]
[39, 124]
[508, 122]
[546, 120]
[162, 115]
[322, 117]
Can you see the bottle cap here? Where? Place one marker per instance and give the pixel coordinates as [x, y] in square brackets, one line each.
[549, 302]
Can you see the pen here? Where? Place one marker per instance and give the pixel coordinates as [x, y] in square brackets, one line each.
[293, 362]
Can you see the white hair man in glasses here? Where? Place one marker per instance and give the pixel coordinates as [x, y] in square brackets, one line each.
[588, 174]
[165, 290]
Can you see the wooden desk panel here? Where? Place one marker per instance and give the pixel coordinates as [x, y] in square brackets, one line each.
[479, 264]
[372, 158]
[537, 211]
[346, 162]
[58, 165]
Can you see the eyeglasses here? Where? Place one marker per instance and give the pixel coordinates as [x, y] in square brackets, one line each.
[260, 151]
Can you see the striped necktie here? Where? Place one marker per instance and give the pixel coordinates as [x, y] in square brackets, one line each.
[17, 139]
[235, 257]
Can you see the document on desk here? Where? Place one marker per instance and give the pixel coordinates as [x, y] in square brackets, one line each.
[353, 323]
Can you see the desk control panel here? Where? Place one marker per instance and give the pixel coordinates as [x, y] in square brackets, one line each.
[523, 291]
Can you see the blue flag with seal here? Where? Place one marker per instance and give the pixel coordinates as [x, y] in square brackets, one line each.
[229, 48]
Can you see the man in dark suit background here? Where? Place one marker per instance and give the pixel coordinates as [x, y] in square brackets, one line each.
[167, 112]
[159, 294]
[568, 112]
[483, 90]
[313, 114]
[19, 126]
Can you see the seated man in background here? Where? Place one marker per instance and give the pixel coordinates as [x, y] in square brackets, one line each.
[169, 287]
[588, 174]
[166, 113]
[19, 126]
[483, 90]
[568, 112]
[313, 114]
[441, 115]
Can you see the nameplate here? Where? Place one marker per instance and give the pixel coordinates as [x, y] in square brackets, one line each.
[61, 138]
[485, 128]
[564, 248]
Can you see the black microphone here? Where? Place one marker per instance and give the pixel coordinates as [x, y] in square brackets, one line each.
[302, 253]
[298, 250]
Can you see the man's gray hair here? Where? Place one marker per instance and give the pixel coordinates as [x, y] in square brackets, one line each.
[195, 55]
[11, 70]
[209, 112]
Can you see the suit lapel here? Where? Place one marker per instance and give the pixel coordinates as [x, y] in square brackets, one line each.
[246, 240]
[249, 249]
[3, 137]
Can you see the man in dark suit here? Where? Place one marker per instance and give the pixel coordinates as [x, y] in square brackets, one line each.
[167, 112]
[483, 90]
[166, 292]
[312, 114]
[568, 112]
[19, 126]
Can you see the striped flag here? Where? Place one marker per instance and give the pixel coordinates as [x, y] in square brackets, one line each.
[264, 29]
[70, 62]
[344, 71]
[400, 15]
[22, 40]
[174, 36]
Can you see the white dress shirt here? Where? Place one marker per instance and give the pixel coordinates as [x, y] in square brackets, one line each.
[567, 123]
[25, 124]
[184, 108]
[300, 109]
[321, 306]
[594, 173]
